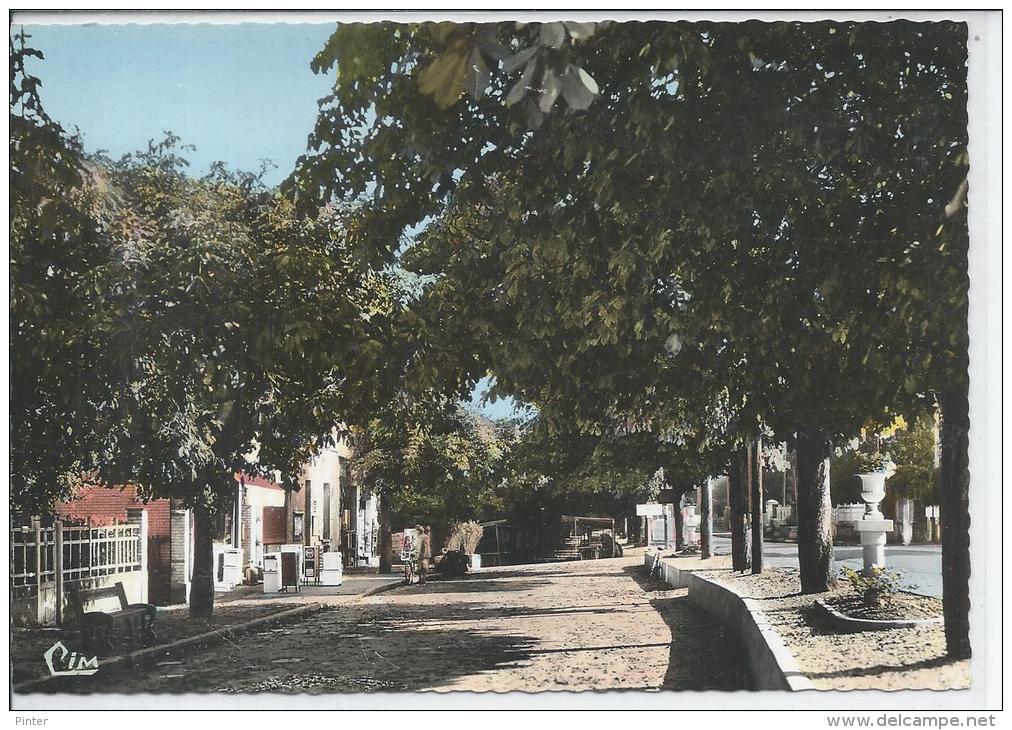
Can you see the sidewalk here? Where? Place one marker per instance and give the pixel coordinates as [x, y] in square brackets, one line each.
[354, 585]
[234, 612]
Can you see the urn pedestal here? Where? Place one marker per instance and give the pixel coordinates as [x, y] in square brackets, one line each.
[873, 527]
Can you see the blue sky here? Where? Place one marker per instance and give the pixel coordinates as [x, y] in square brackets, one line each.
[238, 93]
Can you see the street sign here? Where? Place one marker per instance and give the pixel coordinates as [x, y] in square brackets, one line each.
[649, 510]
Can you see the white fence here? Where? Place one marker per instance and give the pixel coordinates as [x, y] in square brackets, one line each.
[778, 515]
[45, 559]
[848, 513]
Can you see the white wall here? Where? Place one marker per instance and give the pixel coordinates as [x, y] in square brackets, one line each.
[368, 534]
[324, 469]
[261, 497]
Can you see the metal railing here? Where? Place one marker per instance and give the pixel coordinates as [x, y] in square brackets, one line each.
[85, 551]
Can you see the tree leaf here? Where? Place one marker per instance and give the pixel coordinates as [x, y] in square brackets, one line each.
[552, 35]
[443, 79]
[577, 96]
[518, 59]
[588, 81]
[518, 90]
[533, 114]
[550, 89]
[580, 31]
[477, 77]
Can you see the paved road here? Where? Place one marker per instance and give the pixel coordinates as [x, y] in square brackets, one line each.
[566, 626]
[920, 566]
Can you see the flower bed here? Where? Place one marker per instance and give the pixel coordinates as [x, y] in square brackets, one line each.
[901, 607]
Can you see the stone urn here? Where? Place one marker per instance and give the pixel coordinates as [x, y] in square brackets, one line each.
[873, 491]
[873, 527]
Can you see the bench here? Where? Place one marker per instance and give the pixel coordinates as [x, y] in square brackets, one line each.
[131, 621]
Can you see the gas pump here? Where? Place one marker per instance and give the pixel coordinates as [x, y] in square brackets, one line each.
[311, 567]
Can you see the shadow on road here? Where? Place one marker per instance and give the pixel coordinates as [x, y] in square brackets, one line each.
[408, 649]
[415, 643]
[472, 586]
[883, 669]
[705, 656]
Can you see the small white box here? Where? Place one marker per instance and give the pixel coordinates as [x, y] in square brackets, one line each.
[227, 567]
[331, 577]
[332, 561]
[272, 573]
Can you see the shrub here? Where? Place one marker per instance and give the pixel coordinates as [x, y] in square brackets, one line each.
[464, 537]
[875, 589]
[873, 462]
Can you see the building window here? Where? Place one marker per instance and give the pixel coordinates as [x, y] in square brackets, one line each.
[298, 527]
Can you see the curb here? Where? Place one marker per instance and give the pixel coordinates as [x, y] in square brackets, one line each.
[207, 637]
[378, 589]
[770, 665]
[848, 623]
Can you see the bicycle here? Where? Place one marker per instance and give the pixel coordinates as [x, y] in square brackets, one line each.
[410, 570]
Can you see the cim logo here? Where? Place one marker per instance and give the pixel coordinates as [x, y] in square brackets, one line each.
[60, 666]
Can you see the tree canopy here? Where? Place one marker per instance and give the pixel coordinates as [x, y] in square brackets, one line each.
[797, 175]
[238, 329]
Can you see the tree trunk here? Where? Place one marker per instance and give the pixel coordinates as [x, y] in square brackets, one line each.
[794, 482]
[202, 581]
[756, 484]
[954, 499]
[679, 526]
[385, 541]
[706, 519]
[815, 539]
[737, 485]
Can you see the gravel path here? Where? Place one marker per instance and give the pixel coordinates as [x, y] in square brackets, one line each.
[588, 625]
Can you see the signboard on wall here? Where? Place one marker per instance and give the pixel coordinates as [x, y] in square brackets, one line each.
[309, 562]
[649, 510]
[407, 542]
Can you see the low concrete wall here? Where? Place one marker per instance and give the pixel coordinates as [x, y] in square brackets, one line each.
[31, 611]
[770, 665]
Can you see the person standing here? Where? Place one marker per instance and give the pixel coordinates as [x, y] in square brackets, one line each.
[415, 555]
[426, 555]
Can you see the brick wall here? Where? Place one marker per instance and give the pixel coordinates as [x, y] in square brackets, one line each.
[109, 505]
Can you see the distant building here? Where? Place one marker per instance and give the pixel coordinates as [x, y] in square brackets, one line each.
[329, 510]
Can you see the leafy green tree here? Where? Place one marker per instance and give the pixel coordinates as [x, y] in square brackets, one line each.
[431, 461]
[913, 451]
[236, 330]
[56, 244]
[910, 445]
[796, 175]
